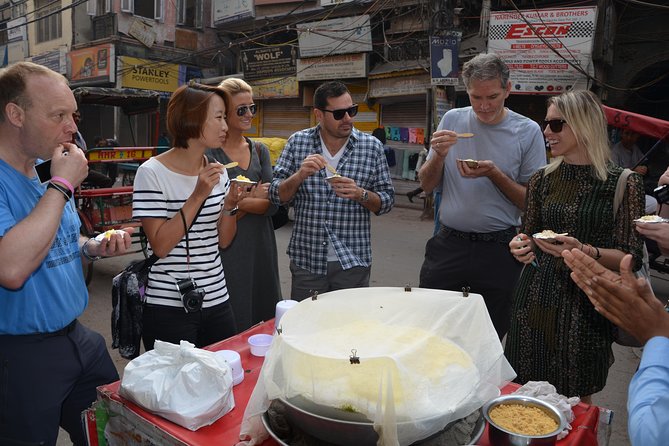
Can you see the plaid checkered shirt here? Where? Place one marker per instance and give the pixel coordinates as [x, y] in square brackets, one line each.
[322, 218]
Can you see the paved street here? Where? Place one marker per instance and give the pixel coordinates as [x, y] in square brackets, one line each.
[398, 243]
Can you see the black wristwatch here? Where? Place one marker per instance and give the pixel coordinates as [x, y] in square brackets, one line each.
[365, 196]
[231, 212]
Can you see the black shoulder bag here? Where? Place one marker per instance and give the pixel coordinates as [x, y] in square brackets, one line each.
[280, 217]
[128, 300]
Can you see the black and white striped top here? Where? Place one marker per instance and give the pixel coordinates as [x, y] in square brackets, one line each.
[160, 193]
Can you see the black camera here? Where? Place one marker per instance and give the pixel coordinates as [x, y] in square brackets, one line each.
[661, 193]
[191, 296]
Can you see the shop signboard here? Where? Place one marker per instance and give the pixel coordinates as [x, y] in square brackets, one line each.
[185, 39]
[267, 62]
[342, 35]
[275, 88]
[142, 31]
[55, 60]
[344, 66]
[441, 105]
[148, 74]
[187, 72]
[17, 51]
[16, 29]
[92, 65]
[228, 11]
[444, 50]
[547, 50]
[399, 86]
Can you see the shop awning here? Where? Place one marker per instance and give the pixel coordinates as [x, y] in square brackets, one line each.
[642, 124]
[400, 68]
[131, 100]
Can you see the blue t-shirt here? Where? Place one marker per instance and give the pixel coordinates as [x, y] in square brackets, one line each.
[648, 400]
[55, 293]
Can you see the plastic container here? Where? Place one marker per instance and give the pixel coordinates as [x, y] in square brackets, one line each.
[281, 307]
[234, 361]
[260, 343]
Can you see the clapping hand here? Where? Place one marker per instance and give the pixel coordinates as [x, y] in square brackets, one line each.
[624, 299]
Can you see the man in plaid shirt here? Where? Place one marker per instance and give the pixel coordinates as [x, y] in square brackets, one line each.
[334, 175]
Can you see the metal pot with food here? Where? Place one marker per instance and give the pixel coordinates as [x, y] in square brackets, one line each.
[405, 362]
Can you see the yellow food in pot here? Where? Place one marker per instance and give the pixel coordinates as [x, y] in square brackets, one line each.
[523, 420]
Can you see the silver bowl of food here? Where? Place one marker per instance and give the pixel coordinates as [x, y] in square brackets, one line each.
[517, 420]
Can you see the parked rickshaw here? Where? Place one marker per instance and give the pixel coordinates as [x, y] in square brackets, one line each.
[102, 209]
[652, 128]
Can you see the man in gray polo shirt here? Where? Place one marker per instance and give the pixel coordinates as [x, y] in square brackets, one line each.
[481, 158]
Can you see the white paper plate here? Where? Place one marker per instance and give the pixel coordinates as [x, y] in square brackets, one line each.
[243, 181]
[657, 220]
[547, 238]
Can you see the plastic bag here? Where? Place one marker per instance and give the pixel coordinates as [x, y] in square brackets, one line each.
[181, 383]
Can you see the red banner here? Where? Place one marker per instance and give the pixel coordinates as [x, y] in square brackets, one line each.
[644, 125]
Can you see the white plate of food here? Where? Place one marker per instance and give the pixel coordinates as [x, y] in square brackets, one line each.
[242, 179]
[472, 164]
[651, 219]
[548, 235]
[333, 176]
[107, 234]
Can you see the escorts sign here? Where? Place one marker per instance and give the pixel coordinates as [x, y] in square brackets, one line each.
[547, 50]
[525, 31]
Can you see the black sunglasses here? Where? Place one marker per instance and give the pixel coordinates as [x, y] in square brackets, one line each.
[555, 125]
[242, 109]
[339, 114]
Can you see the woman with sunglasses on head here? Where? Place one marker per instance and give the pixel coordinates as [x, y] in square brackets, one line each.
[187, 205]
[250, 262]
[556, 334]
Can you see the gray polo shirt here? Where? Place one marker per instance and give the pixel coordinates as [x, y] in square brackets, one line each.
[516, 146]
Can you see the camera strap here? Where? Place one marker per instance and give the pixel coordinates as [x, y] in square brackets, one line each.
[187, 229]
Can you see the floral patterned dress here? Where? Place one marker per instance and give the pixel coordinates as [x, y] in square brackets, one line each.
[556, 335]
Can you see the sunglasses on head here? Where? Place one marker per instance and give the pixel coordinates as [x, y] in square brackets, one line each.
[555, 125]
[339, 114]
[242, 109]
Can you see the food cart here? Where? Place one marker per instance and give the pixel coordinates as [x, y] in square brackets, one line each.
[124, 419]
[590, 428]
